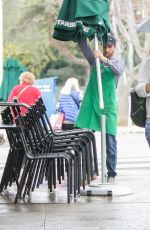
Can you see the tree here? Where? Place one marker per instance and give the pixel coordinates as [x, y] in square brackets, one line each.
[28, 35]
[133, 46]
[32, 29]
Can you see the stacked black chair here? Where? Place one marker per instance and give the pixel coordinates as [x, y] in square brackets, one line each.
[63, 144]
[81, 136]
[38, 153]
[34, 160]
[13, 164]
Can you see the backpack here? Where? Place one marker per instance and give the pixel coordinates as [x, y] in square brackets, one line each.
[138, 110]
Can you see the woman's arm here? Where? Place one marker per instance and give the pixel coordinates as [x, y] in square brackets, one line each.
[143, 86]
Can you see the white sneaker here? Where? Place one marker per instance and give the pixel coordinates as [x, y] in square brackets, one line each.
[111, 180]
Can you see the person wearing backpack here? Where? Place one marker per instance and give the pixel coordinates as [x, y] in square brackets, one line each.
[143, 90]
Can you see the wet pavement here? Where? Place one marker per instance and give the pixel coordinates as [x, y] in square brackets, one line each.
[44, 211]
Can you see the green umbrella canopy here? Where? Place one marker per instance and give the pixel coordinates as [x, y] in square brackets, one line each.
[11, 71]
[79, 18]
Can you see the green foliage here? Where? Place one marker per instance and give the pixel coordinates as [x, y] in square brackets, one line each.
[27, 37]
[23, 54]
[27, 58]
[64, 71]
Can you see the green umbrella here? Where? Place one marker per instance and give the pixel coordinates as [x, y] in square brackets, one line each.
[11, 71]
[79, 18]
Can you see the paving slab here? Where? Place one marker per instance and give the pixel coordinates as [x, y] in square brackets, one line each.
[20, 217]
[116, 216]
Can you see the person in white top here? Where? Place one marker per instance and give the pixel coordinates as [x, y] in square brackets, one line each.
[143, 90]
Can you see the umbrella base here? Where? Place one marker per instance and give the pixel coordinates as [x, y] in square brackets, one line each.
[105, 190]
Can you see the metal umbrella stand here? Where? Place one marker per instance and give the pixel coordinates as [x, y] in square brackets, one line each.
[103, 188]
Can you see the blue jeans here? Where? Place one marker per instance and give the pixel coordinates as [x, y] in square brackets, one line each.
[147, 131]
[111, 152]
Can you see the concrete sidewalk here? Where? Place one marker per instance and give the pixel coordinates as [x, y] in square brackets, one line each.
[119, 212]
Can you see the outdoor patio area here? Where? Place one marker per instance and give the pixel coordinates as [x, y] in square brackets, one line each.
[43, 210]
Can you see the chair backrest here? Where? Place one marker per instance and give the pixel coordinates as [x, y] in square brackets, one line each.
[42, 113]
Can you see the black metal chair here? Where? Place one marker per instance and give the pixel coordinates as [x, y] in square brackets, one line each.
[34, 137]
[82, 134]
[71, 140]
[24, 139]
[58, 145]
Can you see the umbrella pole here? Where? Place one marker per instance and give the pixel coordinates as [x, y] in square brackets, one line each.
[100, 189]
[103, 118]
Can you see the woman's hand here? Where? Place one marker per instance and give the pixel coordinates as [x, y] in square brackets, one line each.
[98, 54]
